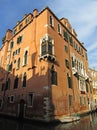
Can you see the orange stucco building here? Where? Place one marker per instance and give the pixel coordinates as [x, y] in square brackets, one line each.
[93, 75]
[43, 69]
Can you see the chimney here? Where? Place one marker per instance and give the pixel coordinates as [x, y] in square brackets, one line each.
[8, 34]
[35, 12]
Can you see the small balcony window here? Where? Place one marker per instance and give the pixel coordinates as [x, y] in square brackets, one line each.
[46, 48]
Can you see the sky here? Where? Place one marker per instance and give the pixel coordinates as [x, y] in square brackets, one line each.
[82, 14]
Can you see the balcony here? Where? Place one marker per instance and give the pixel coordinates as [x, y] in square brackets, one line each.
[48, 57]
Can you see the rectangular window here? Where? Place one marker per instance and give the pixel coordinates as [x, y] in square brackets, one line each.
[73, 62]
[87, 87]
[54, 77]
[30, 99]
[66, 48]
[70, 100]
[71, 41]
[16, 83]
[65, 35]
[18, 51]
[67, 63]
[12, 98]
[9, 67]
[59, 29]
[15, 31]
[69, 81]
[43, 49]
[19, 39]
[21, 26]
[51, 21]
[50, 48]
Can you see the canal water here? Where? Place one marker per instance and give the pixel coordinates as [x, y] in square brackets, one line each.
[88, 122]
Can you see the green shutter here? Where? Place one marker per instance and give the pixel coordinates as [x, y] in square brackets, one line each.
[65, 35]
[69, 82]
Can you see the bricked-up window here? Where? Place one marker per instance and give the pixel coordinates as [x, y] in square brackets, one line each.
[67, 63]
[24, 79]
[19, 39]
[30, 99]
[51, 21]
[69, 81]
[54, 77]
[70, 100]
[16, 82]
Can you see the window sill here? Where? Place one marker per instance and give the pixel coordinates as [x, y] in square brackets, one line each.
[24, 65]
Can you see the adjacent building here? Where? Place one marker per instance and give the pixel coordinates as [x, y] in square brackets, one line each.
[43, 69]
[93, 75]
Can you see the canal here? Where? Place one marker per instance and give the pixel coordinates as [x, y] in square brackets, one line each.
[88, 122]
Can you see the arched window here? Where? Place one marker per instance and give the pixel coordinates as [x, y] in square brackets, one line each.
[24, 79]
[18, 64]
[54, 80]
[16, 82]
[69, 81]
[7, 84]
[25, 57]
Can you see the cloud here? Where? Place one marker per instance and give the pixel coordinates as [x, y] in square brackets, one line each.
[92, 47]
[82, 16]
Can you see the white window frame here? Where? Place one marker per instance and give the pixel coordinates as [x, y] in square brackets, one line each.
[26, 49]
[29, 105]
[52, 25]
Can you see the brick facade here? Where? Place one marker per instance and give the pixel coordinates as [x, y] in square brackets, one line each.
[43, 69]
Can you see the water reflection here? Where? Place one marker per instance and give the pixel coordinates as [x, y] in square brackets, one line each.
[86, 123]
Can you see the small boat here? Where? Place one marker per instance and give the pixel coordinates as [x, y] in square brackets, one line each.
[68, 119]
